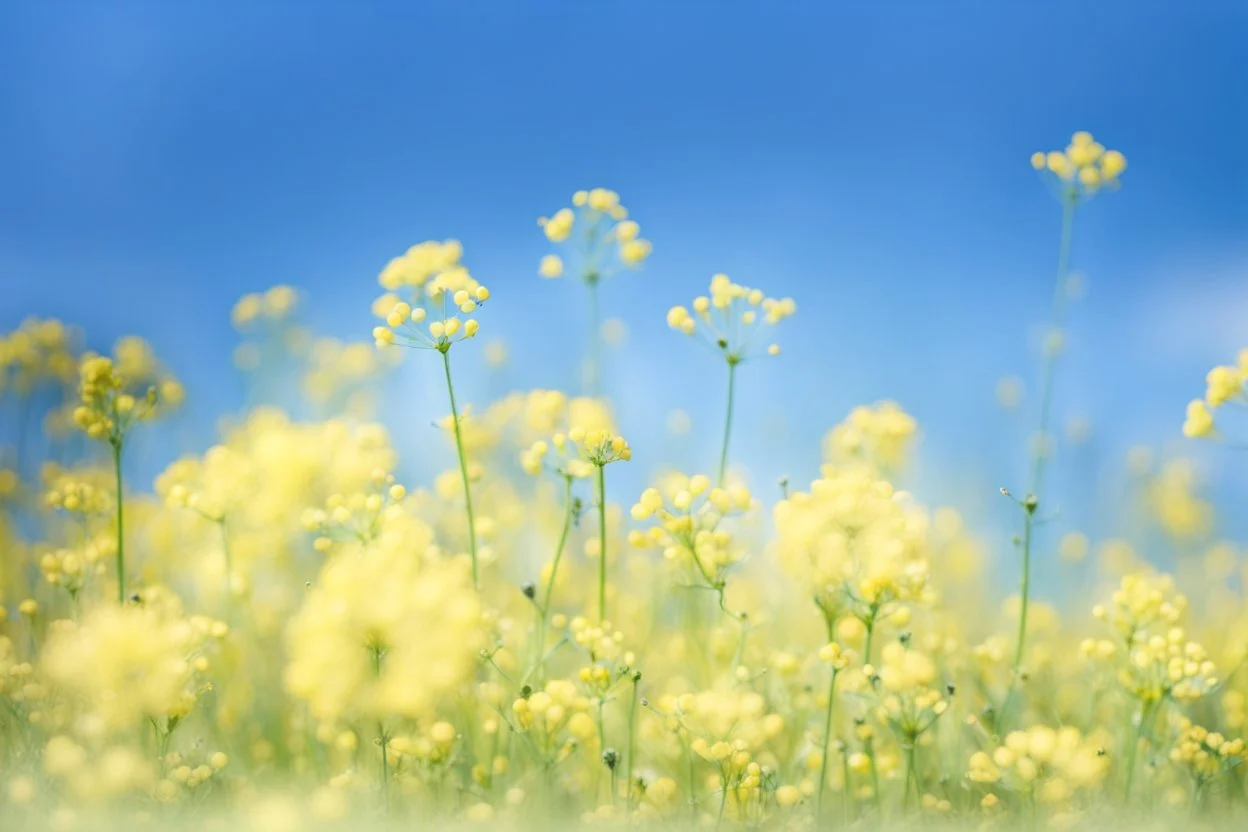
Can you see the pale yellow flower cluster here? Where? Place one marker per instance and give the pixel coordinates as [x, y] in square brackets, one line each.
[688, 512]
[40, 349]
[427, 289]
[851, 540]
[1084, 167]
[606, 239]
[125, 664]
[1048, 764]
[116, 393]
[880, 435]
[1224, 385]
[270, 307]
[733, 319]
[387, 630]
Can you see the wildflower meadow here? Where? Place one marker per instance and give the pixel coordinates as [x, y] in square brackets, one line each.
[286, 626]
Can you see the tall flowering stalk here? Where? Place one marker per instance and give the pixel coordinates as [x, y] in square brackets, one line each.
[600, 448]
[111, 405]
[439, 290]
[1075, 175]
[733, 320]
[597, 240]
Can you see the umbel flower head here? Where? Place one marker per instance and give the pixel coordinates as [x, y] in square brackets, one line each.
[117, 393]
[1082, 169]
[733, 319]
[596, 236]
[427, 290]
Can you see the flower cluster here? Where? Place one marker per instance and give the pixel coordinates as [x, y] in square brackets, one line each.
[733, 319]
[116, 393]
[688, 513]
[605, 239]
[1083, 168]
[427, 289]
[1224, 385]
[144, 660]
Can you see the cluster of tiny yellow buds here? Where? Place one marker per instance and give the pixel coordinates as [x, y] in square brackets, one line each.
[560, 705]
[109, 405]
[567, 460]
[39, 349]
[733, 318]
[735, 753]
[1141, 600]
[1169, 666]
[1049, 763]
[880, 435]
[832, 655]
[1083, 168]
[607, 241]
[355, 517]
[420, 264]
[81, 492]
[688, 511]
[1224, 384]
[1205, 753]
[413, 327]
[600, 447]
[600, 640]
[69, 569]
[187, 773]
[273, 305]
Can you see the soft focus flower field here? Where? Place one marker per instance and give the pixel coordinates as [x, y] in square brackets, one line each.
[280, 633]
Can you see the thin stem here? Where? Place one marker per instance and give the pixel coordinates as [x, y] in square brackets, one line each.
[1050, 362]
[384, 740]
[910, 773]
[229, 567]
[602, 545]
[723, 451]
[870, 625]
[827, 727]
[1134, 750]
[463, 466]
[593, 366]
[632, 744]
[1024, 592]
[554, 567]
[116, 444]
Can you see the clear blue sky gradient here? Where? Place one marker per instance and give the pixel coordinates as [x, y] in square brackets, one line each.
[159, 159]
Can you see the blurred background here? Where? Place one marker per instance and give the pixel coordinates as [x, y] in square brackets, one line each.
[158, 160]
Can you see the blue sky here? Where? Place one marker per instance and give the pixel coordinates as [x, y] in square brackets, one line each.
[159, 159]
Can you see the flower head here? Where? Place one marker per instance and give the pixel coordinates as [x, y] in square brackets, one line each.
[428, 289]
[733, 319]
[595, 236]
[1083, 168]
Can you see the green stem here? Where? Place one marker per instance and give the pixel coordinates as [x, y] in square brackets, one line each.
[827, 746]
[1050, 360]
[910, 773]
[1133, 751]
[602, 545]
[870, 625]
[554, 567]
[723, 451]
[632, 744]
[229, 567]
[384, 740]
[463, 466]
[1024, 592]
[116, 444]
[593, 370]
[827, 728]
